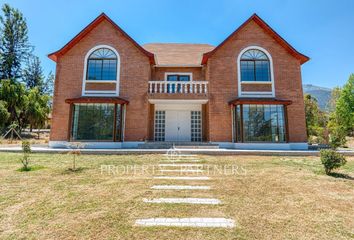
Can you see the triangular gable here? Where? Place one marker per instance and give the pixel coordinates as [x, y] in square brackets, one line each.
[302, 58]
[54, 56]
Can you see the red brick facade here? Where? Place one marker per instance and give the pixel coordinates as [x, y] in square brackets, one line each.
[136, 70]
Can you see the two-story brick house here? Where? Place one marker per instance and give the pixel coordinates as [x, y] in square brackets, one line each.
[244, 93]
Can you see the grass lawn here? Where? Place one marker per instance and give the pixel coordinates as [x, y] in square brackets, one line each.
[274, 198]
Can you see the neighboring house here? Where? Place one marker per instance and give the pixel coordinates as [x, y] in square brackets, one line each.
[244, 93]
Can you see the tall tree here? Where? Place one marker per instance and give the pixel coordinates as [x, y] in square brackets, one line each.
[4, 115]
[334, 98]
[33, 74]
[316, 120]
[14, 45]
[15, 96]
[49, 84]
[38, 108]
[345, 107]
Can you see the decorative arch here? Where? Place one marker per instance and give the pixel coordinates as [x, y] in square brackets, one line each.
[254, 55]
[95, 53]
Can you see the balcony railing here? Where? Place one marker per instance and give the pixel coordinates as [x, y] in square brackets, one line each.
[178, 87]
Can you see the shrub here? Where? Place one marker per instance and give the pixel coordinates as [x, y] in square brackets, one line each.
[75, 151]
[26, 150]
[331, 160]
[337, 137]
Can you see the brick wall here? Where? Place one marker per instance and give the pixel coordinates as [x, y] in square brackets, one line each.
[222, 76]
[159, 72]
[134, 76]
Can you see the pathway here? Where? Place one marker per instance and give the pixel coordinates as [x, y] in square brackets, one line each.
[183, 164]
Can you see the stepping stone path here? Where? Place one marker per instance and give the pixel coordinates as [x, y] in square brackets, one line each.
[180, 187]
[187, 222]
[184, 200]
[183, 161]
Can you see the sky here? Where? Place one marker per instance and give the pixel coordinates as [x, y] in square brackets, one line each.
[320, 29]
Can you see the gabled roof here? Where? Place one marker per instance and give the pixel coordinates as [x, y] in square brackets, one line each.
[178, 54]
[302, 58]
[54, 56]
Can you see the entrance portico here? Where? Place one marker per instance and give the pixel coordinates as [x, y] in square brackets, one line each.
[178, 120]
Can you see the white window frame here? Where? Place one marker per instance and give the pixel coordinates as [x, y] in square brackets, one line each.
[179, 73]
[240, 82]
[96, 93]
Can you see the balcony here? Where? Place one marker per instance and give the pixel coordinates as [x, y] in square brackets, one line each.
[178, 87]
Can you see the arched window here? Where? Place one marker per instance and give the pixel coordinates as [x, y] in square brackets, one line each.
[102, 65]
[255, 66]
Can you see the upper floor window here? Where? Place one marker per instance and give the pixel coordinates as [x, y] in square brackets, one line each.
[255, 66]
[102, 65]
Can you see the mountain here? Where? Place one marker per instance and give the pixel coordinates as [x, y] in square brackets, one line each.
[322, 94]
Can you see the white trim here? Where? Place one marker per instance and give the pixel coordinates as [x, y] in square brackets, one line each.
[264, 146]
[179, 73]
[255, 82]
[228, 145]
[101, 81]
[84, 81]
[239, 82]
[98, 145]
[178, 101]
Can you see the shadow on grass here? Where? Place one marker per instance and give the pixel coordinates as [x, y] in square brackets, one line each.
[340, 175]
[76, 170]
[30, 169]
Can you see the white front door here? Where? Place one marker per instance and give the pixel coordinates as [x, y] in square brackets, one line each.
[178, 125]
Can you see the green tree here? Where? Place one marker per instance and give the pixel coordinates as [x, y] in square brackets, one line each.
[14, 45]
[4, 115]
[49, 84]
[334, 98]
[37, 109]
[345, 107]
[33, 74]
[15, 96]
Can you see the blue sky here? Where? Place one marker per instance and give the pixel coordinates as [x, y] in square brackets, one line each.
[320, 29]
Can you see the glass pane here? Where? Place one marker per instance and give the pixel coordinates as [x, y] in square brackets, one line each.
[172, 77]
[263, 123]
[103, 53]
[262, 71]
[94, 69]
[184, 78]
[247, 71]
[254, 54]
[93, 122]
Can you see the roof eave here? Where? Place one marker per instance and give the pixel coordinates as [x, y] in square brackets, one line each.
[301, 57]
[54, 56]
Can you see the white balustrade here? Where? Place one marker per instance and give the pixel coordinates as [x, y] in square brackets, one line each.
[172, 87]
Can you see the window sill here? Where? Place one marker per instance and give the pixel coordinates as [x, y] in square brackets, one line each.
[101, 81]
[255, 82]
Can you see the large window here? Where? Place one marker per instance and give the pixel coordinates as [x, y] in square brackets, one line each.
[97, 122]
[255, 66]
[102, 65]
[259, 123]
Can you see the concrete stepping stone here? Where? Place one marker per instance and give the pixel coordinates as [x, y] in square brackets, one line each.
[212, 201]
[180, 187]
[183, 160]
[180, 165]
[186, 222]
[181, 178]
[182, 170]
